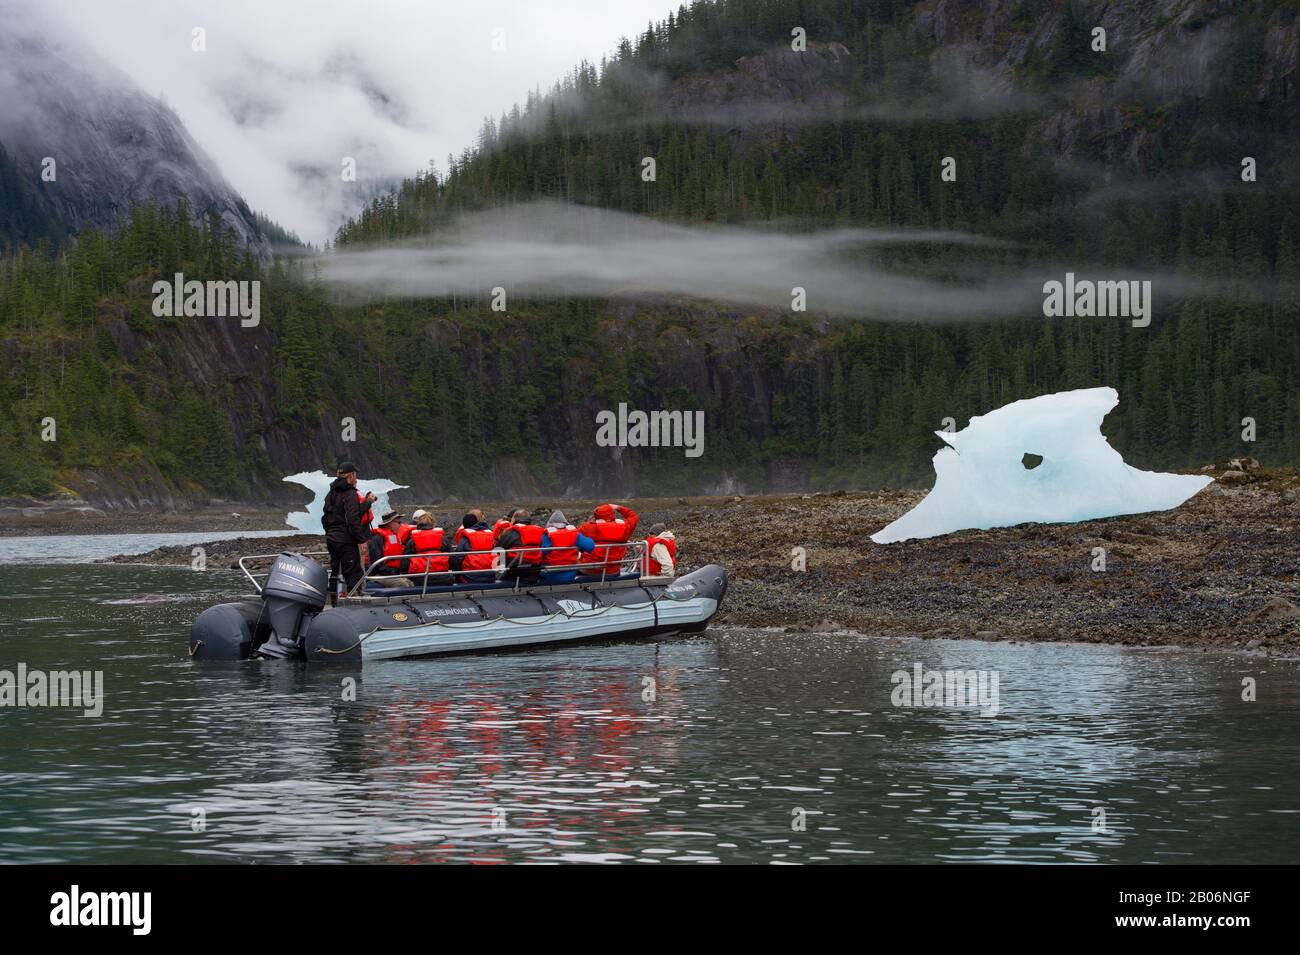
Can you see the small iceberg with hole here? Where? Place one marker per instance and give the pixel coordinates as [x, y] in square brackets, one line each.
[1040, 460]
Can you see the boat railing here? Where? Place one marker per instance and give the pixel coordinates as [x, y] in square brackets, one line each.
[632, 561]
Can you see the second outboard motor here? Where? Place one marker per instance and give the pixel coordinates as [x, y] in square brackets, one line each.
[295, 587]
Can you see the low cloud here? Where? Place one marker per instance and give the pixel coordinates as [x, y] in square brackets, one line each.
[549, 248]
[284, 91]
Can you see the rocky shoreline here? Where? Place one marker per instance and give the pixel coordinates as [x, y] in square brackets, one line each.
[1220, 572]
[31, 517]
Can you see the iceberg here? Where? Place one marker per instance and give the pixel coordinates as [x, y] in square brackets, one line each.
[992, 475]
[318, 482]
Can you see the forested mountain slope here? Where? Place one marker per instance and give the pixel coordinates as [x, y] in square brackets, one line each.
[1129, 159]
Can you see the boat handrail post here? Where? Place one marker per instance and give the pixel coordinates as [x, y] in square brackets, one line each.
[248, 573]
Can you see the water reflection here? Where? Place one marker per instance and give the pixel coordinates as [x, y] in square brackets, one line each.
[562, 755]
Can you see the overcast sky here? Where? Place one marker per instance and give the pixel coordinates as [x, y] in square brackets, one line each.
[287, 88]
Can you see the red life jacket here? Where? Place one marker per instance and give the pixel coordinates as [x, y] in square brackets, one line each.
[482, 556]
[394, 542]
[652, 565]
[458, 536]
[605, 533]
[530, 535]
[566, 537]
[498, 527]
[366, 516]
[427, 539]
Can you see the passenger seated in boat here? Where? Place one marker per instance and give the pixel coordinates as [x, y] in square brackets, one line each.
[474, 512]
[475, 557]
[660, 552]
[522, 542]
[500, 526]
[610, 525]
[562, 543]
[389, 540]
[428, 538]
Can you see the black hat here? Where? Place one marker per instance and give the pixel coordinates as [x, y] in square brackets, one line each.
[346, 467]
[390, 516]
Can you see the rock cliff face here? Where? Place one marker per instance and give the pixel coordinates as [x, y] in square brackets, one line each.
[780, 85]
[717, 360]
[961, 60]
[112, 144]
[1161, 58]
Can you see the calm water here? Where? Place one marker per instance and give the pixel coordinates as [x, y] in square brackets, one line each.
[554, 755]
[76, 548]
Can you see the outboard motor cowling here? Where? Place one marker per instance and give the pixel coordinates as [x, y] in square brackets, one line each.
[296, 586]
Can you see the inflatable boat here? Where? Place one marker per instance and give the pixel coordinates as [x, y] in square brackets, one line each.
[289, 618]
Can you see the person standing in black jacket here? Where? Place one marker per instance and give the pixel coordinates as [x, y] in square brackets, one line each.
[347, 531]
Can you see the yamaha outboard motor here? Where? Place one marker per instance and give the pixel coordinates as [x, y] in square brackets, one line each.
[295, 589]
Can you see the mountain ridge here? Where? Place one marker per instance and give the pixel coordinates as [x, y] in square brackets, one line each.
[112, 146]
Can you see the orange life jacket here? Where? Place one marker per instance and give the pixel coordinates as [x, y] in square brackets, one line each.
[498, 527]
[367, 517]
[530, 535]
[562, 537]
[482, 556]
[652, 565]
[428, 539]
[605, 533]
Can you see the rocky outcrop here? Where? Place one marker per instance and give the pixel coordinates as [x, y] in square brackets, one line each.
[1277, 608]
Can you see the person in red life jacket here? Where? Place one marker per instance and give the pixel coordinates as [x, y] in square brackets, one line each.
[389, 540]
[500, 526]
[367, 515]
[427, 538]
[660, 552]
[474, 512]
[346, 522]
[523, 542]
[561, 546]
[610, 524]
[475, 557]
